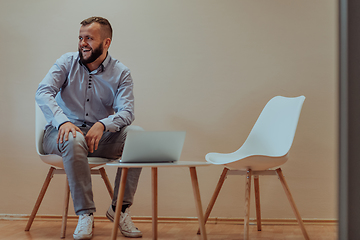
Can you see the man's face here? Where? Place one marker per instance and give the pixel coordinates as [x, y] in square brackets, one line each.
[90, 43]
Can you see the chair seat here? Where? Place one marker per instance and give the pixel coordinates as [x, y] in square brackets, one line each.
[256, 162]
[56, 160]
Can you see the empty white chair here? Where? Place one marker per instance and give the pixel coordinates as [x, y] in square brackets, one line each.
[266, 147]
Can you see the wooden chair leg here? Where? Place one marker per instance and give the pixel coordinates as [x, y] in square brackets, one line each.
[215, 195]
[292, 202]
[65, 209]
[40, 198]
[257, 202]
[107, 182]
[247, 204]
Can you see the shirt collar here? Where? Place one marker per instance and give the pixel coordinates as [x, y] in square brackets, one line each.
[106, 61]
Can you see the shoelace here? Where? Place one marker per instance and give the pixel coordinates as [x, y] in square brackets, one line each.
[85, 223]
[128, 222]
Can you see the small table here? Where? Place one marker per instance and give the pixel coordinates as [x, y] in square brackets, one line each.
[154, 167]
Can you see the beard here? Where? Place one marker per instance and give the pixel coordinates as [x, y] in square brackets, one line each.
[95, 53]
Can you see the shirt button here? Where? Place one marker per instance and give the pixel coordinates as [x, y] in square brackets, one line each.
[87, 100]
[87, 114]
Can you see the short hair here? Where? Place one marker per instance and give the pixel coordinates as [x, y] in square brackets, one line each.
[106, 26]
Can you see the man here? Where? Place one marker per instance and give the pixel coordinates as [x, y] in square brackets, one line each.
[87, 99]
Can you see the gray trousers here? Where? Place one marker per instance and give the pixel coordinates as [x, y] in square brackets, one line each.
[74, 153]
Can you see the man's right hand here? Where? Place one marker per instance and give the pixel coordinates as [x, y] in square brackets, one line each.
[65, 130]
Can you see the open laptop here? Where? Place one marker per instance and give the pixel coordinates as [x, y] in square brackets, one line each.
[153, 146]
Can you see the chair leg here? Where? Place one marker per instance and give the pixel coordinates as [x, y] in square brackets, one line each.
[214, 196]
[247, 204]
[106, 181]
[257, 202]
[40, 198]
[292, 202]
[65, 209]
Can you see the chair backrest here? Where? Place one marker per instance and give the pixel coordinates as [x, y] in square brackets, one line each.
[40, 123]
[274, 130]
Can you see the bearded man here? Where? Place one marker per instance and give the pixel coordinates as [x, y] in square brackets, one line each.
[87, 99]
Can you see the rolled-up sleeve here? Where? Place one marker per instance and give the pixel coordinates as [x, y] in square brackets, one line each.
[47, 91]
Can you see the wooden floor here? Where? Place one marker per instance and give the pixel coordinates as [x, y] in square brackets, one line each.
[48, 230]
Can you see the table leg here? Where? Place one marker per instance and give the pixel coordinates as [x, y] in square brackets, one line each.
[119, 202]
[154, 182]
[199, 210]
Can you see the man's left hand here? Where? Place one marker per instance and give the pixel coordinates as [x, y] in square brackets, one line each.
[94, 135]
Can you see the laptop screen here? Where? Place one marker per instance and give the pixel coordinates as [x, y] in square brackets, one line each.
[153, 146]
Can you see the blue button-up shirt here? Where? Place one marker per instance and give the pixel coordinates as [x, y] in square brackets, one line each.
[69, 92]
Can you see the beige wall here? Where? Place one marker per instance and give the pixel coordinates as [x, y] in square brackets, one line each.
[207, 67]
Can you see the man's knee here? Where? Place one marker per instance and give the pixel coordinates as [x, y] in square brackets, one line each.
[75, 144]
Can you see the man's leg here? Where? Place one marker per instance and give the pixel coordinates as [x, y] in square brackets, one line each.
[130, 188]
[111, 146]
[74, 153]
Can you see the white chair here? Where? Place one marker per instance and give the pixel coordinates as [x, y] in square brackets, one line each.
[266, 147]
[57, 168]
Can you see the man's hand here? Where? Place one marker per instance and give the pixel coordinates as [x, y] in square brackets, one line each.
[65, 130]
[94, 135]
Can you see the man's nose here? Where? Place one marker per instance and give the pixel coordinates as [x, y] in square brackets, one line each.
[83, 43]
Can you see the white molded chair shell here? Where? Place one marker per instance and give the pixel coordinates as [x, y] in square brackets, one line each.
[57, 168]
[53, 159]
[269, 141]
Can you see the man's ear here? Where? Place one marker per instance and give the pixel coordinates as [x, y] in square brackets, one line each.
[107, 42]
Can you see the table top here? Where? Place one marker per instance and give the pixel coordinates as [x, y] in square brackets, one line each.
[168, 164]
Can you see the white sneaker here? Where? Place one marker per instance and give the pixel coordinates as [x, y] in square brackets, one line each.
[84, 227]
[126, 225]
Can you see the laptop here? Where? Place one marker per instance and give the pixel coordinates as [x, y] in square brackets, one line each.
[153, 146]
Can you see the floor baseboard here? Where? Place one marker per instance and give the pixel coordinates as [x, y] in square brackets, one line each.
[212, 220]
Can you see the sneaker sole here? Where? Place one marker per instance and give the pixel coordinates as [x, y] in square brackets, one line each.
[82, 237]
[111, 218]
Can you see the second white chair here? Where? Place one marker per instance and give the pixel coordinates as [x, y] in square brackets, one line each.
[266, 147]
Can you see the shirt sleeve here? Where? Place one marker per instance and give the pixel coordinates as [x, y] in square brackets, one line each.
[123, 105]
[48, 89]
